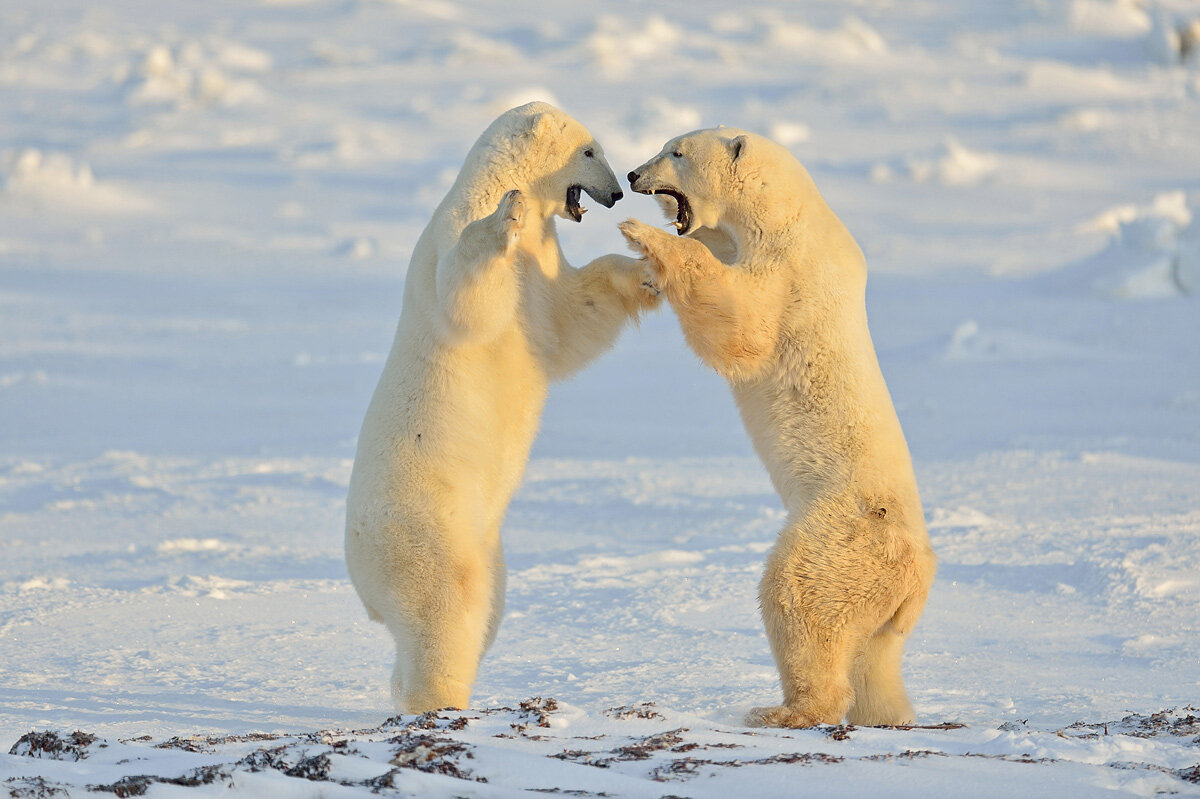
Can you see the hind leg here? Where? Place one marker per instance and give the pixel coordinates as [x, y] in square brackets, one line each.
[499, 583]
[441, 638]
[879, 696]
[830, 583]
[397, 685]
[816, 690]
[813, 652]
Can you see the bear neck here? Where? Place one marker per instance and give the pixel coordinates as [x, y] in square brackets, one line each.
[806, 237]
[540, 240]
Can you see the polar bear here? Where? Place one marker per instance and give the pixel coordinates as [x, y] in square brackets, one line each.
[769, 288]
[492, 313]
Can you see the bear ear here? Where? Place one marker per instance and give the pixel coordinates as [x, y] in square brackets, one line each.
[544, 124]
[737, 147]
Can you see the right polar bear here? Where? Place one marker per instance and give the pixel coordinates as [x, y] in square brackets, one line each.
[769, 288]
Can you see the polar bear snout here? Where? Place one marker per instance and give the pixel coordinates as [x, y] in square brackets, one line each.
[643, 183]
[603, 188]
[607, 199]
[601, 183]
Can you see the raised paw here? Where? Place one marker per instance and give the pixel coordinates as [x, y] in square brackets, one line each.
[510, 215]
[642, 238]
[658, 249]
[779, 716]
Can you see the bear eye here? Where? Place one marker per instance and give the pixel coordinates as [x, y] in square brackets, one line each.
[589, 153]
[677, 154]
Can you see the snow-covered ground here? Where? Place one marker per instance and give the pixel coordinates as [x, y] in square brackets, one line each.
[205, 214]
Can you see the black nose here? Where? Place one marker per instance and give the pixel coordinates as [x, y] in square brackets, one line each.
[616, 196]
[633, 176]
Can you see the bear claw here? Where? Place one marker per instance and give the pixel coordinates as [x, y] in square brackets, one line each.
[511, 213]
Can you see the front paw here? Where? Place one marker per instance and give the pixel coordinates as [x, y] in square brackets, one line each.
[644, 239]
[510, 218]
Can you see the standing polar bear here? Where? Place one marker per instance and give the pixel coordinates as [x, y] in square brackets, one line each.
[492, 313]
[769, 288]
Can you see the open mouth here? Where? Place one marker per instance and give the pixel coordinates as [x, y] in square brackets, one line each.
[683, 214]
[574, 210]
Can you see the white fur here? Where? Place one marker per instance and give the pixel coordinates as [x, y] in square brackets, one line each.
[769, 288]
[492, 314]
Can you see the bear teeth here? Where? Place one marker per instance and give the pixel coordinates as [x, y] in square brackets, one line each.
[574, 210]
[683, 219]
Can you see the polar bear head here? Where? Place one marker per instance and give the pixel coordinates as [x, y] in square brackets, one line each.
[724, 175]
[541, 150]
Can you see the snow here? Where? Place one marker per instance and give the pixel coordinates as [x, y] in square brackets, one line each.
[1154, 250]
[205, 212]
[638, 751]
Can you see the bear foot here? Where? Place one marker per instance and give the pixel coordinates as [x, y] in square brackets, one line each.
[782, 716]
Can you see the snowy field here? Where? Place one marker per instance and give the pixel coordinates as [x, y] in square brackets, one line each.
[206, 210]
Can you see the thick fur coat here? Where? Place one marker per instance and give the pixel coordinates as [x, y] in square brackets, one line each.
[769, 288]
[492, 314]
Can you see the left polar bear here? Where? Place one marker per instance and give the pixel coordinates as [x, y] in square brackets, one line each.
[492, 314]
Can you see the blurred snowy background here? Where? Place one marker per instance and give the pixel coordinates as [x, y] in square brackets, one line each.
[206, 211]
